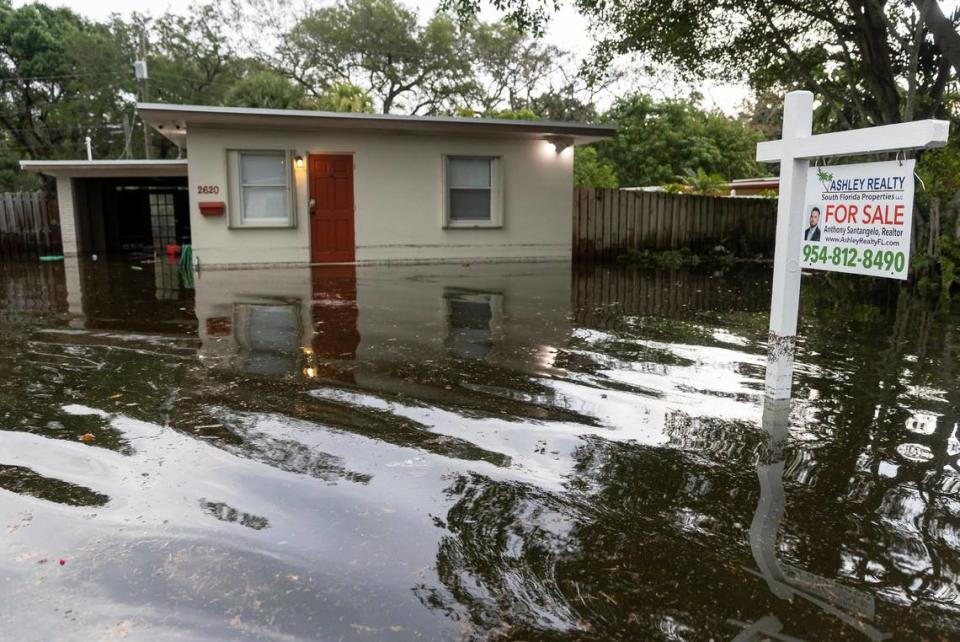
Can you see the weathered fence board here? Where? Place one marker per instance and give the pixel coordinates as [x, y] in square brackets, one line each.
[29, 225]
[603, 294]
[607, 223]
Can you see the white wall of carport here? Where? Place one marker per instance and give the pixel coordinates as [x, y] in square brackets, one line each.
[398, 198]
[68, 220]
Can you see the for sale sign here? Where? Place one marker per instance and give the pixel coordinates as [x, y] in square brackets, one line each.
[858, 218]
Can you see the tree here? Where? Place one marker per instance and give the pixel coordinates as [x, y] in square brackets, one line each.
[503, 114]
[509, 67]
[872, 61]
[265, 89]
[347, 98]
[944, 30]
[191, 58]
[60, 81]
[380, 45]
[11, 178]
[700, 182]
[590, 171]
[565, 103]
[657, 141]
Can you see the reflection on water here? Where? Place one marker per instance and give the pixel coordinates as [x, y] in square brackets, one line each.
[856, 608]
[268, 337]
[471, 318]
[470, 452]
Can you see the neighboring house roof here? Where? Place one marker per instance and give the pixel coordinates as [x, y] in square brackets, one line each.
[173, 120]
[754, 187]
[108, 168]
[762, 184]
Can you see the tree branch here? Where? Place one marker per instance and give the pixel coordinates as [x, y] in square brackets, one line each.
[943, 30]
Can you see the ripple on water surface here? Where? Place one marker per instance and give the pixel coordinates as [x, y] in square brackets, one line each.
[468, 452]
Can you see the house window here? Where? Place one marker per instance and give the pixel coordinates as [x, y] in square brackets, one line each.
[472, 191]
[261, 189]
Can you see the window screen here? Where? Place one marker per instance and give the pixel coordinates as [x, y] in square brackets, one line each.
[263, 186]
[470, 189]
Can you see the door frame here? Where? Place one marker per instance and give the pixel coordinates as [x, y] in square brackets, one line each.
[353, 188]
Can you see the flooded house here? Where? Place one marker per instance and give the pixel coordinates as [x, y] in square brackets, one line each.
[268, 186]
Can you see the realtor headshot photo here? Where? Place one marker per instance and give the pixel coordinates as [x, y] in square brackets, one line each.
[812, 233]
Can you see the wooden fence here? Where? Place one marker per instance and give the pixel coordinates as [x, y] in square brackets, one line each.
[609, 222]
[27, 290]
[604, 294]
[29, 225]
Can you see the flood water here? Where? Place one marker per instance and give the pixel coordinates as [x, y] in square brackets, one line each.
[470, 452]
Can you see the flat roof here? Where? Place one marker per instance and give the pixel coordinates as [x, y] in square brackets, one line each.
[108, 168]
[760, 179]
[173, 120]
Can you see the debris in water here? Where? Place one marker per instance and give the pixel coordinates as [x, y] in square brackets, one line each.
[62, 562]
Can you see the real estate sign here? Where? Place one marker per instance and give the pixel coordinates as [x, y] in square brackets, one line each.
[858, 217]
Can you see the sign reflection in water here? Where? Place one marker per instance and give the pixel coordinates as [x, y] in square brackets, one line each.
[853, 607]
[504, 451]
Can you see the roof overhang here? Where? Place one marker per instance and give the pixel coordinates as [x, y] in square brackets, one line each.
[107, 168]
[754, 183]
[173, 121]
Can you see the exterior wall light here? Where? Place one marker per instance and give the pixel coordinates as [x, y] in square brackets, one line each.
[559, 143]
[298, 162]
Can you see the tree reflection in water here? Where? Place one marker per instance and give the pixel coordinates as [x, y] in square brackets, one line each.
[856, 512]
[561, 459]
[853, 607]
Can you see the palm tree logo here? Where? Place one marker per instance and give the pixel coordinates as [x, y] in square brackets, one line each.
[824, 177]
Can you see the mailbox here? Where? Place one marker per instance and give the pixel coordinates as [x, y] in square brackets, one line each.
[213, 208]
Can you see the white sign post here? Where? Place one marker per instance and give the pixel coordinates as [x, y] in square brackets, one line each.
[794, 151]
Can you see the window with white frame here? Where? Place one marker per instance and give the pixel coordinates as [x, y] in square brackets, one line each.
[261, 189]
[472, 191]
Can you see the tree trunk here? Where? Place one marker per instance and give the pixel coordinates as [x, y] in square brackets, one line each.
[944, 33]
[933, 238]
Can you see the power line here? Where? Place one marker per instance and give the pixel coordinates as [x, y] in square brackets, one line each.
[60, 77]
[81, 128]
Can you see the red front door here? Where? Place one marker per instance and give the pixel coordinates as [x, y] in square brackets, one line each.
[331, 216]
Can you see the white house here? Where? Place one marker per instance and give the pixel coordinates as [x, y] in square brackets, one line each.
[267, 186]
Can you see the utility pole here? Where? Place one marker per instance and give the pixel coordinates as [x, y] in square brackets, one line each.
[143, 78]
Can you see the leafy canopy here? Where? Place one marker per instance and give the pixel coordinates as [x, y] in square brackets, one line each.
[590, 171]
[658, 141]
[871, 62]
[266, 89]
[406, 66]
[59, 82]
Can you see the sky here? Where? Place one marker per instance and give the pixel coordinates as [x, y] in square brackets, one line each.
[567, 29]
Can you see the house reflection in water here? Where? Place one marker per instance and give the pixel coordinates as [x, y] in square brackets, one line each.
[470, 321]
[279, 321]
[345, 323]
[334, 314]
[268, 336]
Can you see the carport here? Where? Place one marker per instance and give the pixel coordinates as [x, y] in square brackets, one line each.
[120, 207]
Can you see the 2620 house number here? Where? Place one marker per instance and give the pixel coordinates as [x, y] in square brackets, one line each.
[208, 189]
